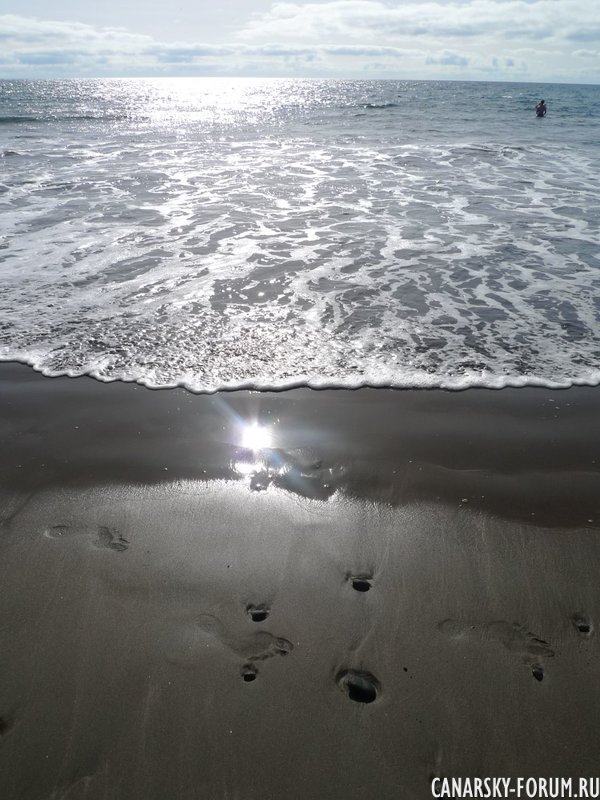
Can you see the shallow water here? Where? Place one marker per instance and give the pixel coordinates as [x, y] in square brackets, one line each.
[224, 233]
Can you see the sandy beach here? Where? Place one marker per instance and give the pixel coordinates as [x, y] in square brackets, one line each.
[402, 585]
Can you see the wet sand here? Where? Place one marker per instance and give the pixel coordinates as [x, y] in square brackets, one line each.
[403, 585]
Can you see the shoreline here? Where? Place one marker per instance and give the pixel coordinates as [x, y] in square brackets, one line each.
[416, 444]
[402, 585]
[327, 385]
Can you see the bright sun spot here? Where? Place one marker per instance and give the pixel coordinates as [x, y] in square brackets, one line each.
[255, 437]
[248, 468]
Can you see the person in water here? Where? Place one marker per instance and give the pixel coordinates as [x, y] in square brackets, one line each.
[540, 109]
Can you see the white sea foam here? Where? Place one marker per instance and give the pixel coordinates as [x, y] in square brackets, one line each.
[231, 246]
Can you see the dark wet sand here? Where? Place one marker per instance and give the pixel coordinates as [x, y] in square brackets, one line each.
[405, 586]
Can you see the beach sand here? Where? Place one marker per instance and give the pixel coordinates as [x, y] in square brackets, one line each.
[404, 585]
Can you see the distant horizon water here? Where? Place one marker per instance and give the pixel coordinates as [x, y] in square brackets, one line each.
[221, 233]
[286, 78]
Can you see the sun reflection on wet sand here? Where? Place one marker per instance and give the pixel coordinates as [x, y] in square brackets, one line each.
[256, 437]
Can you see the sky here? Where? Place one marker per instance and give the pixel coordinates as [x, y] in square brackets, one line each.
[510, 40]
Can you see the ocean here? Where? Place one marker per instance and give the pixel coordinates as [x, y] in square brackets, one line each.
[241, 233]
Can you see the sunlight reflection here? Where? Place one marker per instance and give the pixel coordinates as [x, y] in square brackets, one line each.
[261, 463]
[248, 467]
[214, 100]
[256, 437]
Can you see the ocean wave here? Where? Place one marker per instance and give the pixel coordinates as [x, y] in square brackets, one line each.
[420, 381]
[381, 105]
[17, 118]
[313, 248]
[55, 118]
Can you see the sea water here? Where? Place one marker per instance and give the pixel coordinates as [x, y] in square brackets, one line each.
[219, 233]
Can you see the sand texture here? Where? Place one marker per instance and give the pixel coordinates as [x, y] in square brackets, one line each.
[403, 585]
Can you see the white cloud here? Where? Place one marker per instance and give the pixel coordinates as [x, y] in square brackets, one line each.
[465, 36]
[587, 54]
[371, 20]
[345, 38]
[29, 32]
[448, 59]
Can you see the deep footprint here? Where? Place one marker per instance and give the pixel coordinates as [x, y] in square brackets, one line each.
[361, 583]
[257, 613]
[538, 672]
[111, 539]
[361, 687]
[249, 673]
[583, 625]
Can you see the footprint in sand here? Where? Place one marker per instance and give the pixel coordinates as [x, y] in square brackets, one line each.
[249, 673]
[360, 583]
[257, 613]
[512, 636]
[108, 538]
[583, 625]
[361, 687]
[193, 636]
[518, 639]
[59, 531]
[537, 670]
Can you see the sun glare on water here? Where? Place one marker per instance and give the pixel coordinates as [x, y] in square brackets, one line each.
[212, 100]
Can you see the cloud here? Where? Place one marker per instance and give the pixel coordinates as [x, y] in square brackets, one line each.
[31, 32]
[46, 48]
[183, 53]
[449, 59]
[372, 20]
[464, 35]
[341, 38]
[51, 57]
[360, 19]
[591, 34]
[357, 51]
